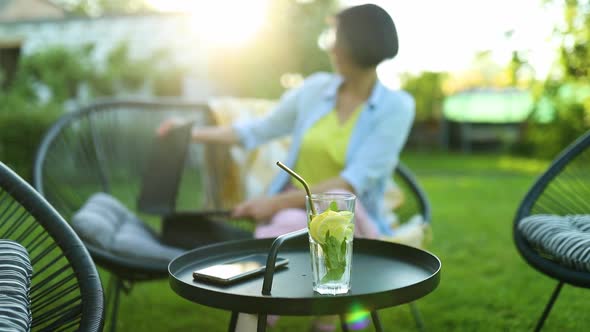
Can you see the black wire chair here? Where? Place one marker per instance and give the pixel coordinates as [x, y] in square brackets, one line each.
[66, 294]
[563, 189]
[104, 147]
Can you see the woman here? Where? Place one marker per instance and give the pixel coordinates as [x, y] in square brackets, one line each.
[347, 130]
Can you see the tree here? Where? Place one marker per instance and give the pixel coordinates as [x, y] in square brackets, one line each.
[428, 94]
[100, 7]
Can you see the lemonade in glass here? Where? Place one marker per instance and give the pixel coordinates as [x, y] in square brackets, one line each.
[331, 232]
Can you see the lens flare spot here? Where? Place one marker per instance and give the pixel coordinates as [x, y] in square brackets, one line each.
[358, 318]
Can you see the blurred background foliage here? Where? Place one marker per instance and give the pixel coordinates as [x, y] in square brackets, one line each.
[427, 89]
[567, 88]
[49, 82]
[103, 7]
[286, 46]
[57, 78]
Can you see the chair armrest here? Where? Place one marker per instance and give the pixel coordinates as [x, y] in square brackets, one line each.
[190, 229]
[272, 257]
[195, 216]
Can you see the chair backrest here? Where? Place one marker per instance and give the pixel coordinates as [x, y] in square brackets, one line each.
[105, 147]
[564, 187]
[415, 201]
[66, 293]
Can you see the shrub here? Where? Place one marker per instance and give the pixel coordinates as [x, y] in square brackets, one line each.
[428, 94]
[21, 132]
[47, 79]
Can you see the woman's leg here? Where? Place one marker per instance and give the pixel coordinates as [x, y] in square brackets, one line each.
[284, 221]
[289, 220]
[364, 226]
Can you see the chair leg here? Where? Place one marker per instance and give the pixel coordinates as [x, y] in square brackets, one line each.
[417, 317]
[376, 321]
[548, 307]
[109, 296]
[114, 294]
[233, 321]
[261, 325]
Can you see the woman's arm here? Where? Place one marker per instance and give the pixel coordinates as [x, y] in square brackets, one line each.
[212, 134]
[262, 209]
[209, 134]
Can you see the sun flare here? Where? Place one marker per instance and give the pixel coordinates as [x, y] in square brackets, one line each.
[221, 22]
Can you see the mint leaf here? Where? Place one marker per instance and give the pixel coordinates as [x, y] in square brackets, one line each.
[334, 206]
[335, 258]
[333, 275]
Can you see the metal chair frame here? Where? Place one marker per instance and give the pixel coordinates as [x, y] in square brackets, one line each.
[66, 294]
[530, 205]
[124, 271]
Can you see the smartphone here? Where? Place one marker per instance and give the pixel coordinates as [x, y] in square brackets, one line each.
[236, 269]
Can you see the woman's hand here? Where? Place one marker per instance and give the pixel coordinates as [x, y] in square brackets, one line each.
[169, 124]
[260, 209]
[203, 134]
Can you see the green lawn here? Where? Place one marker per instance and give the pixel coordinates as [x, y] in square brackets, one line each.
[485, 285]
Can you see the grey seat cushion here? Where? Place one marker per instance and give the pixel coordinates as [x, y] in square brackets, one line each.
[15, 283]
[563, 238]
[104, 222]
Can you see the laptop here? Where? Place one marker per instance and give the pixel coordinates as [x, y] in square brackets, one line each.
[159, 189]
[163, 171]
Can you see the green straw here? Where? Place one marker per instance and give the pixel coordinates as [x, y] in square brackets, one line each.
[300, 179]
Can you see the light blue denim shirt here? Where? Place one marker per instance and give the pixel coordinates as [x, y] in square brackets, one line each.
[375, 143]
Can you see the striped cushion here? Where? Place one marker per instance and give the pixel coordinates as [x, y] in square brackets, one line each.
[565, 239]
[15, 283]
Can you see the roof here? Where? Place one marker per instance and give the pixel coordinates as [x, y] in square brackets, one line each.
[18, 10]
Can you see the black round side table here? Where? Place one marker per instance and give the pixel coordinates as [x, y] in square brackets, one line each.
[384, 274]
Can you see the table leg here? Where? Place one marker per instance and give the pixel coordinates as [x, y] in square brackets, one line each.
[233, 321]
[261, 323]
[417, 317]
[376, 321]
[343, 324]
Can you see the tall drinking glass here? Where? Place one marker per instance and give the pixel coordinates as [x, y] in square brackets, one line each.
[331, 231]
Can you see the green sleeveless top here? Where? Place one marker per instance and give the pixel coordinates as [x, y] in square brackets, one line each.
[323, 149]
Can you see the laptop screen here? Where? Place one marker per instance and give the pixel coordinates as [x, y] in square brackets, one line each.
[163, 171]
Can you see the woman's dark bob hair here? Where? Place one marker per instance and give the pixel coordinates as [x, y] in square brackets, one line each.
[367, 33]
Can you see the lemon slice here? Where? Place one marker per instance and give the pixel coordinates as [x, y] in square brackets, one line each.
[340, 226]
[315, 223]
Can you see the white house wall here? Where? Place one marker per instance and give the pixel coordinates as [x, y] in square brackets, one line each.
[145, 35]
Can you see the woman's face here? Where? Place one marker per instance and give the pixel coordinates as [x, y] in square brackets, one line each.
[341, 61]
[338, 56]
[328, 42]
